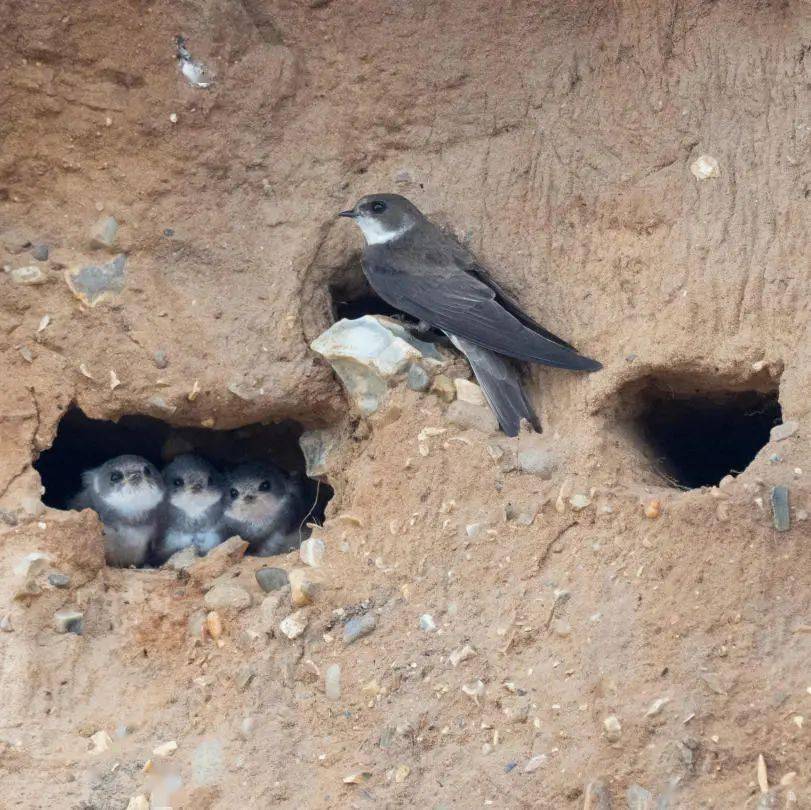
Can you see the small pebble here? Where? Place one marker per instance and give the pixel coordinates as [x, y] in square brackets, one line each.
[225, 596]
[781, 432]
[58, 580]
[467, 391]
[443, 387]
[168, 232]
[417, 378]
[165, 749]
[332, 682]
[578, 502]
[303, 586]
[510, 766]
[295, 624]
[653, 509]
[312, 551]
[247, 726]
[427, 623]
[214, 624]
[638, 798]
[705, 167]
[461, 654]
[28, 275]
[40, 252]
[138, 803]
[104, 232]
[271, 579]
[160, 359]
[656, 707]
[69, 621]
[5, 624]
[101, 741]
[780, 509]
[535, 763]
[358, 627]
[613, 728]
[173, 117]
[468, 416]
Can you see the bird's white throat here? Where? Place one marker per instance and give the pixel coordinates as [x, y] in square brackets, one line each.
[375, 233]
[194, 503]
[131, 501]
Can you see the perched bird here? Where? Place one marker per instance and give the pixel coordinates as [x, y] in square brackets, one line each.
[128, 494]
[265, 507]
[422, 271]
[194, 509]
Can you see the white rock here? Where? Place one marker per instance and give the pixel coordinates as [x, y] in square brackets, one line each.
[535, 763]
[427, 623]
[225, 596]
[312, 551]
[320, 448]
[613, 728]
[704, 167]
[578, 502]
[138, 803]
[474, 690]
[367, 354]
[165, 749]
[461, 654]
[781, 432]
[467, 391]
[295, 624]
[28, 275]
[101, 741]
[332, 682]
[657, 706]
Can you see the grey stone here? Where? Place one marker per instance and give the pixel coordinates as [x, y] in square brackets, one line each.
[271, 579]
[780, 509]
[182, 560]
[225, 596]
[160, 359]
[368, 353]
[358, 627]
[417, 378]
[468, 416]
[58, 580]
[535, 458]
[103, 233]
[68, 620]
[40, 252]
[94, 282]
[781, 432]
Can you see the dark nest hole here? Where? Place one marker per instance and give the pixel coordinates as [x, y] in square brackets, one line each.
[353, 297]
[695, 434]
[82, 443]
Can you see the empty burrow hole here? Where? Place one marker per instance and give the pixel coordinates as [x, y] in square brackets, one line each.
[83, 443]
[695, 430]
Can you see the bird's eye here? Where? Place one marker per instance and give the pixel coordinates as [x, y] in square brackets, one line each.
[378, 206]
[264, 486]
[178, 482]
[234, 493]
[147, 472]
[116, 476]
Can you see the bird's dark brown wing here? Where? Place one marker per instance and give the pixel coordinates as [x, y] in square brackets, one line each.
[429, 285]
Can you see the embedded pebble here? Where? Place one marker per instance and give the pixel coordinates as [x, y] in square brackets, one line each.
[535, 762]
[468, 416]
[58, 580]
[781, 432]
[474, 690]
[5, 624]
[461, 654]
[40, 252]
[561, 628]
[613, 728]
[92, 283]
[656, 707]
[160, 359]
[780, 509]
[535, 459]
[312, 551]
[207, 762]
[401, 773]
[101, 741]
[443, 387]
[138, 803]
[597, 796]
[653, 509]
[357, 778]
[303, 587]
[295, 624]
[705, 167]
[214, 624]
[271, 579]
[578, 502]
[247, 726]
[103, 233]
[467, 391]
[638, 798]
[358, 627]
[332, 682]
[427, 623]
[417, 378]
[182, 560]
[69, 621]
[165, 749]
[28, 275]
[32, 564]
[225, 596]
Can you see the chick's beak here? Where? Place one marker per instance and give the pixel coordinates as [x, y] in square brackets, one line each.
[350, 213]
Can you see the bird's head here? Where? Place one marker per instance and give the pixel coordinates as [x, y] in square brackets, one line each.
[383, 217]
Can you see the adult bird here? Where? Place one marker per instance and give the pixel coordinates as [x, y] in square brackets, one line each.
[419, 269]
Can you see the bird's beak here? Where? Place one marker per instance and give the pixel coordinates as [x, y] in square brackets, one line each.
[350, 213]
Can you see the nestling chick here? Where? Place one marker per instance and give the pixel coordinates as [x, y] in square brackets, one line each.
[264, 506]
[128, 494]
[194, 510]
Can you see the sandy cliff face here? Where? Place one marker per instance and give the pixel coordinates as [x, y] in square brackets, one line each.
[557, 140]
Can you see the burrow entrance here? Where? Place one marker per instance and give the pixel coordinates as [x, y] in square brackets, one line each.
[82, 443]
[694, 430]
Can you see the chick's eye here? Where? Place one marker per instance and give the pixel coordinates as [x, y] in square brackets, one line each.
[116, 476]
[264, 486]
[378, 206]
[147, 472]
[178, 482]
[234, 493]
